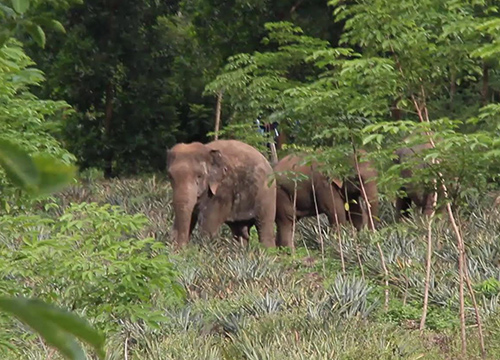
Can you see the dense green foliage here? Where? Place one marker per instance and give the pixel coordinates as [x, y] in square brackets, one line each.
[135, 72]
[240, 303]
[109, 85]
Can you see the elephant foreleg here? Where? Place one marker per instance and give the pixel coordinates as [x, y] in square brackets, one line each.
[332, 204]
[210, 221]
[284, 220]
[284, 233]
[428, 204]
[194, 220]
[241, 232]
[403, 204]
[265, 229]
[356, 214]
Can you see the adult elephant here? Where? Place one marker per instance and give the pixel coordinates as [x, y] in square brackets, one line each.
[225, 181]
[314, 189]
[415, 192]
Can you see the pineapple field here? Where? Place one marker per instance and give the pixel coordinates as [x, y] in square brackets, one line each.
[102, 249]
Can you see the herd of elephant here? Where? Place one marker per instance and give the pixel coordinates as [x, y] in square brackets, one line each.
[228, 181]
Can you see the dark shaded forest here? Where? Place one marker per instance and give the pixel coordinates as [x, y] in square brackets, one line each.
[135, 73]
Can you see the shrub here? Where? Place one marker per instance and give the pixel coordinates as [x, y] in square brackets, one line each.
[89, 259]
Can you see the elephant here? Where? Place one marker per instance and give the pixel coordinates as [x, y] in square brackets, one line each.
[331, 196]
[416, 193]
[224, 181]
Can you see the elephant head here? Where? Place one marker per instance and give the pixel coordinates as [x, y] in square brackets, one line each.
[195, 172]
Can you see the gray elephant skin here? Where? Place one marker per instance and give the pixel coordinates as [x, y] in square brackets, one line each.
[416, 193]
[330, 196]
[224, 181]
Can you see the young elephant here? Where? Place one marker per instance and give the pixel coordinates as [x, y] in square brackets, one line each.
[330, 196]
[225, 181]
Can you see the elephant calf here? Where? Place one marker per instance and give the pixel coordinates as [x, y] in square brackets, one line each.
[329, 196]
[225, 181]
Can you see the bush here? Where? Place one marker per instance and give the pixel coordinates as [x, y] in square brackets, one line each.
[89, 259]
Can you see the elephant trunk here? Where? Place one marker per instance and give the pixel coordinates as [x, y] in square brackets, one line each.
[184, 201]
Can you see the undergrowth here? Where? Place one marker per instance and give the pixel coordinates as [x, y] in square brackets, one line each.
[102, 249]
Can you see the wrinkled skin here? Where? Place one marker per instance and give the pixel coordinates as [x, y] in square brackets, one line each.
[225, 181]
[331, 195]
[415, 193]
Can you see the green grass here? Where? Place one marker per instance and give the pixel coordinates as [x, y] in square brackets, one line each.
[240, 303]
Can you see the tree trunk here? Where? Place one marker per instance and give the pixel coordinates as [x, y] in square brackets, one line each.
[217, 115]
[395, 111]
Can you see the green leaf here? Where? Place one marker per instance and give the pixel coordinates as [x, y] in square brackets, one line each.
[36, 33]
[56, 25]
[18, 165]
[56, 326]
[71, 323]
[49, 23]
[20, 5]
[53, 174]
[4, 36]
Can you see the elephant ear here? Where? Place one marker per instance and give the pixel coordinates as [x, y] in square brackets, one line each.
[170, 157]
[337, 182]
[217, 170]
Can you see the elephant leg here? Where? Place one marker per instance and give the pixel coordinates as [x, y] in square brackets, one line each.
[403, 204]
[428, 204]
[356, 214]
[241, 232]
[284, 233]
[284, 220]
[332, 206]
[265, 214]
[373, 201]
[210, 221]
[265, 229]
[194, 220]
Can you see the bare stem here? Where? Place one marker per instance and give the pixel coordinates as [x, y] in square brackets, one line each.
[295, 216]
[372, 226]
[339, 235]
[319, 224]
[476, 309]
[462, 268]
[217, 114]
[428, 262]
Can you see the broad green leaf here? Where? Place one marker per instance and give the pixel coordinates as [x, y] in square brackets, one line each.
[56, 25]
[49, 23]
[53, 174]
[4, 36]
[71, 323]
[36, 33]
[53, 325]
[20, 5]
[18, 165]
[7, 10]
